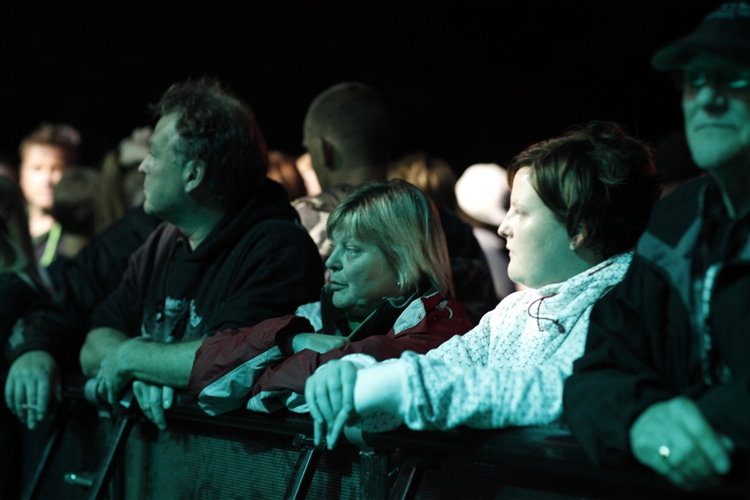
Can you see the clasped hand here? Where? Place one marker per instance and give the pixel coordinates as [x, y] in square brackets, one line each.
[329, 394]
[112, 377]
[318, 342]
[153, 400]
[676, 440]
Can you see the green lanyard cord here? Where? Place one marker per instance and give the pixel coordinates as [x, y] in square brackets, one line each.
[50, 247]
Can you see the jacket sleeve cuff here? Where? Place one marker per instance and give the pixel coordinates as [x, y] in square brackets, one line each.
[381, 388]
[286, 334]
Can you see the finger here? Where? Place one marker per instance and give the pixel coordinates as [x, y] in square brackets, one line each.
[338, 425]
[324, 404]
[727, 443]
[320, 432]
[167, 396]
[30, 405]
[42, 398]
[101, 389]
[335, 397]
[137, 390]
[108, 392]
[709, 455]
[157, 410]
[310, 399]
[10, 395]
[19, 400]
[348, 380]
[140, 396]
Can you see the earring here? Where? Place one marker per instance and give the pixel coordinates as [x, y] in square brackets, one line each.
[398, 284]
[572, 246]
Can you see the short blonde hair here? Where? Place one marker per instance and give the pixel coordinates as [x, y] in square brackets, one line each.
[405, 225]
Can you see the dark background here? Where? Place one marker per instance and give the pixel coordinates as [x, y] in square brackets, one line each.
[469, 82]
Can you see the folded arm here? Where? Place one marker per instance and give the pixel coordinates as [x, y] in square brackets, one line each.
[116, 360]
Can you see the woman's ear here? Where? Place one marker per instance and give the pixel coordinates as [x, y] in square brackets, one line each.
[577, 241]
[195, 171]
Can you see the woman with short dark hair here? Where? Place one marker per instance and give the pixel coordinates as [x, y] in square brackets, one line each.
[579, 202]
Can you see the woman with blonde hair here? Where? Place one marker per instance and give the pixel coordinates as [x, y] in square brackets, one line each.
[390, 291]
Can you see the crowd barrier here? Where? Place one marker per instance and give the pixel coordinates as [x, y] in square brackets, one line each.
[96, 452]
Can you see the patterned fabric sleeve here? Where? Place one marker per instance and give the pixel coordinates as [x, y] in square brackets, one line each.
[444, 395]
[473, 347]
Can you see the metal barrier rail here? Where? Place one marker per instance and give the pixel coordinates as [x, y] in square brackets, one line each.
[540, 458]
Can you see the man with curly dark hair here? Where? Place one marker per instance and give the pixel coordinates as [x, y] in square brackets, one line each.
[231, 252]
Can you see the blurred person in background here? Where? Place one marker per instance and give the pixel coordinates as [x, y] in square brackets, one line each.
[283, 169]
[304, 167]
[347, 134]
[433, 176]
[74, 207]
[483, 198]
[471, 274]
[44, 155]
[122, 183]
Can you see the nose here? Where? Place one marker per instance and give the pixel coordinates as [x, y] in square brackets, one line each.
[333, 263]
[504, 230]
[143, 165]
[710, 97]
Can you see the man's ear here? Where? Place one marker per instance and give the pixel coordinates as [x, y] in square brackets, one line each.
[328, 153]
[193, 174]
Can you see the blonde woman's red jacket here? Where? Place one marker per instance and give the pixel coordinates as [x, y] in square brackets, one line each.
[254, 368]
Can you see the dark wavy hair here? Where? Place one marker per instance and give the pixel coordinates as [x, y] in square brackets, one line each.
[219, 130]
[597, 177]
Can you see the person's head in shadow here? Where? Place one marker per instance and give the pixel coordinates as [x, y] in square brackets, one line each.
[432, 175]
[208, 156]
[77, 198]
[348, 135]
[44, 154]
[16, 252]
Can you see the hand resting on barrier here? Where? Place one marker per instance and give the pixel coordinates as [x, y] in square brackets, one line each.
[329, 394]
[153, 400]
[675, 439]
[32, 384]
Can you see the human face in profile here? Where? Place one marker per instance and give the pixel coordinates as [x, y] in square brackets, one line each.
[164, 175]
[716, 105]
[360, 275]
[538, 243]
[41, 170]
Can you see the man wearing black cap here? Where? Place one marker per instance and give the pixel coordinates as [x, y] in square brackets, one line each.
[666, 374]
